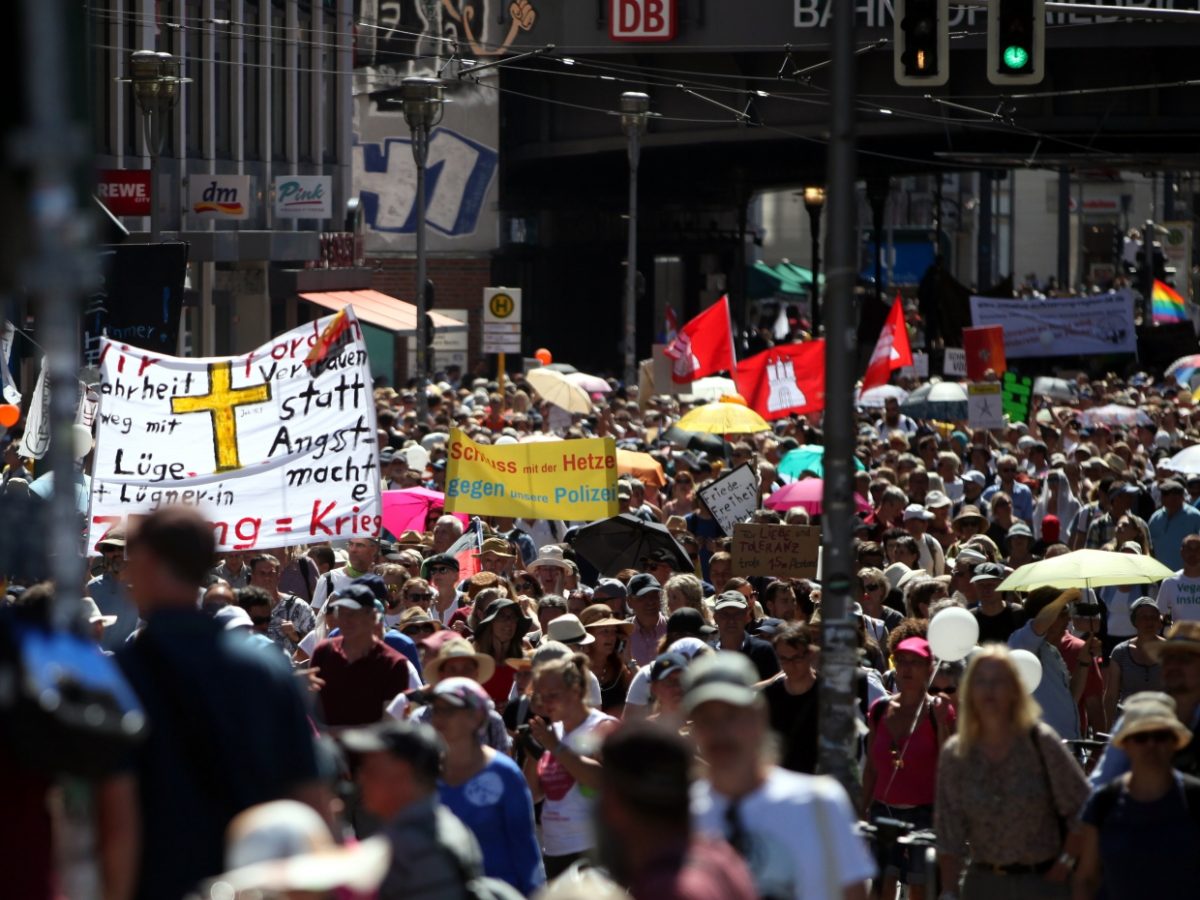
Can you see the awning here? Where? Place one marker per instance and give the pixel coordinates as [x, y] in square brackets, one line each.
[380, 309]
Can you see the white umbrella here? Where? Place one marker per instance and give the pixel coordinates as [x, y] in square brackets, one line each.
[539, 437]
[556, 390]
[875, 397]
[593, 384]
[711, 389]
[1114, 414]
[1185, 462]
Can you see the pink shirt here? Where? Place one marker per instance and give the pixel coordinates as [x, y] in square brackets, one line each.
[913, 761]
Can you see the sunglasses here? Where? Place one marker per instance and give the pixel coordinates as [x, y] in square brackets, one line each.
[1162, 736]
[418, 596]
[441, 570]
[949, 689]
[422, 630]
[395, 588]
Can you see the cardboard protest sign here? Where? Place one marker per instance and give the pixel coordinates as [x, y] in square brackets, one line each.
[559, 480]
[985, 405]
[1017, 397]
[271, 453]
[732, 497]
[782, 551]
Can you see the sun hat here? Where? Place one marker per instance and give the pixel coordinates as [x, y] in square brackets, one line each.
[92, 611]
[725, 677]
[496, 546]
[937, 500]
[1141, 603]
[1151, 711]
[600, 615]
[687, 620]
[414, 616]
[969, 513]
[569, 630]
[459, 649]
[1019, 529]
[917, 646]
[497, 606]
[285, 846]
[1184, 637]
[550, 555]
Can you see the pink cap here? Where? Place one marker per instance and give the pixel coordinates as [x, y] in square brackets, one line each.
[917, 646]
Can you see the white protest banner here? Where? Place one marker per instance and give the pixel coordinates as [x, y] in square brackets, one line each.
[955, 362]
[732, 497]
[275, 447]
[1067, 326]
[985, 405]
[9, 390]
[36, 440]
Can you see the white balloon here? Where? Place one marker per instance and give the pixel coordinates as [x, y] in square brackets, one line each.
[1029, 669]
[952, 634]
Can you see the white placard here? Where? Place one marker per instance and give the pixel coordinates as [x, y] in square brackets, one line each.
[955, 363]
[732, 497]
[919, 368]
[303, 197]
[1064, 326]
[219, 197]
[271, 452]
[985, 405]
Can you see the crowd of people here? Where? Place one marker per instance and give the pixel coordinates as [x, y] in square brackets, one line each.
[394, 716]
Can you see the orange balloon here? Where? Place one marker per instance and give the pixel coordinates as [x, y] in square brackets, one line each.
[543, 356]
[9, 415]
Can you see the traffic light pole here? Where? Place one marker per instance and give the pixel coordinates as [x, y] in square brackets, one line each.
[420, 149]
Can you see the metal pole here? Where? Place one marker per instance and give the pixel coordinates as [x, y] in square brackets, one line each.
[631, 262]
[839, 639]
[420, 148]
[983, 244]
[814, 228]
[49, 150]
[153, 136]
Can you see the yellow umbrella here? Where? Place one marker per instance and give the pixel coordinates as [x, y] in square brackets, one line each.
[1086, 569]
[724, 418]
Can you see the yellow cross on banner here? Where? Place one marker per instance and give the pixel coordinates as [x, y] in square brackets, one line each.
[220, 402]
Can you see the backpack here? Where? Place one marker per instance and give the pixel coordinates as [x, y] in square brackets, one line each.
[1106, 800]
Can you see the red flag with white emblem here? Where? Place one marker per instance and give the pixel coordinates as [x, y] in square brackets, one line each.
[785, 380]
[892, 350]
[704, 346]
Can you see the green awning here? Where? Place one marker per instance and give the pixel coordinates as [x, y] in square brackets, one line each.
[764, 282]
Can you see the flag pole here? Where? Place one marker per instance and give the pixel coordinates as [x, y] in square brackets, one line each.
[839, 638]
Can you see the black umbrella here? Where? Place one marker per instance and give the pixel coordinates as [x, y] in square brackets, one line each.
[712, 444]
[623, 541]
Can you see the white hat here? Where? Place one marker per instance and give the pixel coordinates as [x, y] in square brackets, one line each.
[233, 616]
[286, 846]
[916, 511]
[895, 572]
[569, 630]
[936, 500]
[550, 555]
[976, 476]
[92, 611]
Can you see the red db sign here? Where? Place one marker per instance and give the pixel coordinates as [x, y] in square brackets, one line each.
[126, 192]
[641, 20]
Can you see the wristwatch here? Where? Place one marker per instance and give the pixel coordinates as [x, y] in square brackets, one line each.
[1066, 859]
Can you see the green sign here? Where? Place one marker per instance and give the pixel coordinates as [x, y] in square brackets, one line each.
[1017, 396]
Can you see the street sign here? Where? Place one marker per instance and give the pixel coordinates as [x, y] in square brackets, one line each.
[501, 320]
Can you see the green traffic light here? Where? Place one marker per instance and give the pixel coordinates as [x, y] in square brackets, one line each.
[1015, 57]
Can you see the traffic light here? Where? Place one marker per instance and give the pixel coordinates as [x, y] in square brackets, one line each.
[921, 42]
[1016, 41]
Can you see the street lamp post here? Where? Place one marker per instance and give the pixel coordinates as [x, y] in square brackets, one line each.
[155, 79]
[814, 202]
[634, 109]
[423, 107]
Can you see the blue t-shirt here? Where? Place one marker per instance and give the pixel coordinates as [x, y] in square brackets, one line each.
[1146, 849]
[498, 808]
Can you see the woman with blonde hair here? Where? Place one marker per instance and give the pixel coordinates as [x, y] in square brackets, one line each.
[1018, 825]
[685, 590]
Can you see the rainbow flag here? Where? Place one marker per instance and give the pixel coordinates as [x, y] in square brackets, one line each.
[1167, 305]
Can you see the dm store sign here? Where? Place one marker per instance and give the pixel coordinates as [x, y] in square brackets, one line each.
[223, 197]
[303, 197]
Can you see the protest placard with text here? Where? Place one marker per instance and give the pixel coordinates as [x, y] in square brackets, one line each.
[558, 480]
[272, 452]
[985, 405]
[781, 551]
[732, 497]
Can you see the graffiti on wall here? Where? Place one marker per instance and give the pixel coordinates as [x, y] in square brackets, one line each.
[459, 173]
[406, 31]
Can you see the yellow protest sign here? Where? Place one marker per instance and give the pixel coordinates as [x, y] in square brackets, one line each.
[559, 480]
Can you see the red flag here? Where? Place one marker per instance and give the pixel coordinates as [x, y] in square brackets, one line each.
[704, 346]
[892, 350]
[984, 349]
[785, 380]
[671, 326]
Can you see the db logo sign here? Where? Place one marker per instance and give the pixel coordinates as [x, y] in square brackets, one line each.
[641, 20]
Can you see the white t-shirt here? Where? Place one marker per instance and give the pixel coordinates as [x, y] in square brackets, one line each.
[339, 578]
[567, 813]
[639, 688]
[1179, 598]
[801, 831]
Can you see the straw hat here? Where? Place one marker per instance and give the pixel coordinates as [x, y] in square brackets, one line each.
[1151, 711]
[460, 649]
[599, 615]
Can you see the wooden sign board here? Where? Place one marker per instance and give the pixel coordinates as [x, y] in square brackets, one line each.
[780, 551]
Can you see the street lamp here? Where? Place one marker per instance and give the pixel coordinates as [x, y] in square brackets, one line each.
[814, 202]
[155, 79]
[423, 105]
[634, 110]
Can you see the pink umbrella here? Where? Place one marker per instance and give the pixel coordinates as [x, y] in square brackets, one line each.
[408, 509]
[808, 494]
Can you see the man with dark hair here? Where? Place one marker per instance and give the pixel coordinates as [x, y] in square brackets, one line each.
[291, 617]
[228, 724]
[433, 854]
[645, 837]
[792, 698]
[257, 604]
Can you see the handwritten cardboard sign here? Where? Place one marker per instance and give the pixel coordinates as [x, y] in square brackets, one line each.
[781, 551]
[270, 451]
[732, 497]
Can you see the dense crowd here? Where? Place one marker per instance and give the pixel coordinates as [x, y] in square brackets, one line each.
[400, 717]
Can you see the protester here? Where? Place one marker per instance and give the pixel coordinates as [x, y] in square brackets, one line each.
[363, 553]
[111, 595]
[1133, 667]
[792, 698]
[609, 655]
[500, 634]
[1060, 689]
[732, 614]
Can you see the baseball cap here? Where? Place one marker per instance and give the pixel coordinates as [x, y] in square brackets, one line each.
[667, 664]
[731, 600]
[414, 742]
[917, 646]
[464, 693]
[642, 584]
[725, 677]
[937, 500]
[374, 583]
[687, 620]
[975, 476]
[610, 589]
[357, 596]
[232, 617]
[987, 572]
[1019, 529]
[916, 511]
